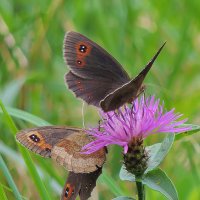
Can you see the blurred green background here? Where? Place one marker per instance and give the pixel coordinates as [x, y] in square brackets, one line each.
[32, 79]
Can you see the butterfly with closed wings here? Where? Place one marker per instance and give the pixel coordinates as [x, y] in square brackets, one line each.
[96, 77]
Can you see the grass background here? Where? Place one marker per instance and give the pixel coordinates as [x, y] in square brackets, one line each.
[32, 71]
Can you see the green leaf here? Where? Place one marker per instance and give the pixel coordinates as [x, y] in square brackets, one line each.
[157, 152]
[26, 116]
[123, 198]
[195, 129]
[159, 181]
[26, 156]
[9, 179]
[124, 175]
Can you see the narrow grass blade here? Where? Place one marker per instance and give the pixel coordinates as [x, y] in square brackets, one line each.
[20, 114]
[26, 156]
[123, 198]
[9, 178]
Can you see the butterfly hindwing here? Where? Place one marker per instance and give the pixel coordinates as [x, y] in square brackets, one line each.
[80, 184]
[68, 153]
[90, 90]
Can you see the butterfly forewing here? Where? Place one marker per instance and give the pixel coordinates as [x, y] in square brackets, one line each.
[93, 72]
[42, 139]
[87, 59]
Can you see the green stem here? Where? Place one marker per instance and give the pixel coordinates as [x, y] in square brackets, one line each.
[140, 190]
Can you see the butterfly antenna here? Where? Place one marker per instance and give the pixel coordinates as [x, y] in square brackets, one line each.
[83, 117]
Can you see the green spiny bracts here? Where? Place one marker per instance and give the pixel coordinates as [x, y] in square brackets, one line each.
[136, 157]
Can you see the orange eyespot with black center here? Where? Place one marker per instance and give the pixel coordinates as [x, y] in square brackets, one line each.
[69, 191]
[37, 139]
[79, 62]
[34, 138]
[83, 49]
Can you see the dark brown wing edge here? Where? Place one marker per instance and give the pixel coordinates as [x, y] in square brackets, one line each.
[141, 76]
[128, 91]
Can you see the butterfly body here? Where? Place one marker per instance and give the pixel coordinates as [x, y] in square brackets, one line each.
[96, 77]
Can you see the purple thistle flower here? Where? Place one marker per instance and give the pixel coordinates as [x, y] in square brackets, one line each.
[145, 117]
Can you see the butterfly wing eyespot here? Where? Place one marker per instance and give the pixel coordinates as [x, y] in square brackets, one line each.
[80, 62]
[80, 184]
[82, 49]
[69, 191]
[35, 141]
[34, 138]
[37, 138]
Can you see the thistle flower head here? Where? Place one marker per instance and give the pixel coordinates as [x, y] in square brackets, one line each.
[145, 117]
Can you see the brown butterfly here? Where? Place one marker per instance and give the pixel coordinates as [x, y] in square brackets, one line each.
[96, 77]
[64, 144]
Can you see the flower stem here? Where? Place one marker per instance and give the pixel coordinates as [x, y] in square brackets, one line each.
[140, 190]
